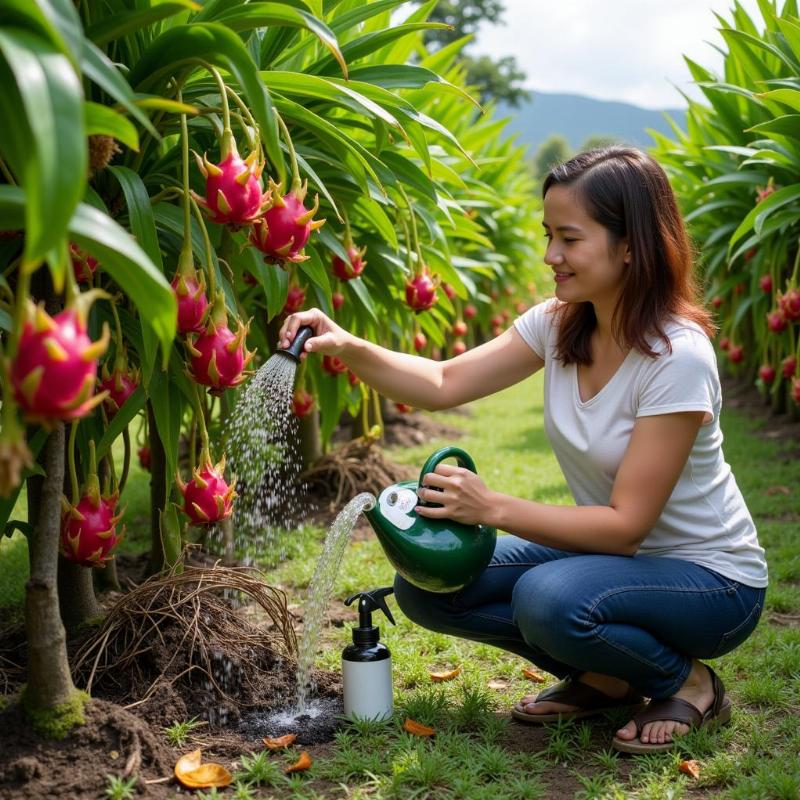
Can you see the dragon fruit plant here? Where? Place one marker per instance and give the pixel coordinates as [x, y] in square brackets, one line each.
[295, 299]
[207, 497]
[355, 263]
[421, 290]
[302, 403]
[190, 292]
[218, 356]
[284, 229]
[54, 369]
[83, 265]
[89, 523]
[122, 381]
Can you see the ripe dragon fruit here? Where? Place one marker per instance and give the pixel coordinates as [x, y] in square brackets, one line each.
[219, 357]
[420, 341]
[736, 354]
[459, 347]
[353, 267]
[776, 322]
[145, 457]
[449, 291]
[796, 391]
[716, 301]
[295, 299]
[763, 194]
[470, 311]
[55, 367]
[765, 283]
[190, 292]
[337, 299]
[88, 528]
[120, 384]
[767, 373]
[421, 291]
[83, 265]
[234, 193]
[724, 343]
[788, 366]
[333, 365]
[789, 304]
[352, 378]
[302, 403]
[283, 231]
[207, 498]
[459, 328]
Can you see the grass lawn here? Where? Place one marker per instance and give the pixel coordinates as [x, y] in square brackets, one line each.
[478, 751]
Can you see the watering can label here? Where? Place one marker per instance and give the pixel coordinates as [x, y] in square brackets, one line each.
[397, 505]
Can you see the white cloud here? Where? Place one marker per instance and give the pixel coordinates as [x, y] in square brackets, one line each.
[629, 50]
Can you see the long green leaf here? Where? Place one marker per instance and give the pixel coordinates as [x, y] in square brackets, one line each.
[117, 26]
[758, 215]
[102, 119]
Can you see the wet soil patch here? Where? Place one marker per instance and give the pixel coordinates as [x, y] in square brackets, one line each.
[316, 725]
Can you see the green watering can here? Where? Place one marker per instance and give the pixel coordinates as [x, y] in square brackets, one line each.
[438, 555]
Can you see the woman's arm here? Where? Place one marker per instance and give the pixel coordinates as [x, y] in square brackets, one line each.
[420, 382]
[653, 462]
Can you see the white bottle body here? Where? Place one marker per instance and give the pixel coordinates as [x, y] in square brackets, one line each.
[367, 689]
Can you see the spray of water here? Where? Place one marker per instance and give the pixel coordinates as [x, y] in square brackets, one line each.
[263, 452]
[321, 588]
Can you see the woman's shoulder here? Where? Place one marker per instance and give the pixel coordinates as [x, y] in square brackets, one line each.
[683, 337]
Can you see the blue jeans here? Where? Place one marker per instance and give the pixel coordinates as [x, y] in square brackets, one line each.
[641, 619]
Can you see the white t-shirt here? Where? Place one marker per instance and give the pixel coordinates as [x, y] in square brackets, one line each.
[705, 519]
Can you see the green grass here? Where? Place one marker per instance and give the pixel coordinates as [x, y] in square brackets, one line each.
[477, 753]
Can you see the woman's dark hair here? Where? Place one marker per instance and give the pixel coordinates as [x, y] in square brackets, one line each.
[628, 193]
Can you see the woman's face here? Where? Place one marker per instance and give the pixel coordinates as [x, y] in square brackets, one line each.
[586, 266]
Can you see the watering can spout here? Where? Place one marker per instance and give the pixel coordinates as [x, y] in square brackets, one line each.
[438, 555]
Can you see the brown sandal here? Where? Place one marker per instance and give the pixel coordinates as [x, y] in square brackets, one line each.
[572, 692]
[674, 708]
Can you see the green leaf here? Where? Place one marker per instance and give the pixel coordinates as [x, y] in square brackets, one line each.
[759, 214]
[104, 120]
[132, 406]
[788, 125]
[220, 46]
[117, 26]
[47, 138]
[168, 411]
[316, 272]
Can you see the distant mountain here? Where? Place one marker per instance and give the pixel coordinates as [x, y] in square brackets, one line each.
[577, 118]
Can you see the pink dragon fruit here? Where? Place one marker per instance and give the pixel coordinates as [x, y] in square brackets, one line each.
[736, 354]
[789, 304]
[83, 265]
[776, 322]
[234, 194]
[295, 299]
[337, 299]
[55, 367]
[459, 328]
[449, 291]
[333, 365]
[767, 373]
[788, 366]
[145, 457]
[353, 267]
[420, 341]
[421, 291]
[765, 283]
[470, 311]
[302, 403]
[283, 231]
[219, 357]
[796, 391]
[89, 528]
[120, 383]
[190, 292]
[459, 347]
[207, 498]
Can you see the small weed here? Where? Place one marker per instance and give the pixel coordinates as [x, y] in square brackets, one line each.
[606, 760]
[592, 788]
[259, 770]
[214, 794]
[178, 732]
[242, 791]
[583, 736]
[119, 788]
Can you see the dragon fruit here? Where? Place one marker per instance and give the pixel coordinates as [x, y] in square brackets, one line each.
[234, 193]
[767, 373]
[404, 408]
[302, 403]
[89, 527]
[145, 457]
[459, 328]
[716, 301]
[120, 383]
[470, 311]
[788, 366]
[207, 498]
[190, 292]
[765, 283]
[736, 354]
[283, 231]
[796, 391]
[420, 341]
[459, 347]
[219, 358]
[353, 267]
[789, 304]
[449, 291]
[55, 368]
[294, 299]
[83, 265]
[337, 298]
[724, 343]
[421, 291]
[352, 378]
[333, 365]
[776, 322]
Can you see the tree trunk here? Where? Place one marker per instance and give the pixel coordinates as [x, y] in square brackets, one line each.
[158, 494]
[310, 443]
[49, 680]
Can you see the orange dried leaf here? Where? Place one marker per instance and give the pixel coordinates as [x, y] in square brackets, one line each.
[417, 728]
[534, 675]
[302, 763]
[195, 775]
[691, 768]
[438, 677]
[280, 742]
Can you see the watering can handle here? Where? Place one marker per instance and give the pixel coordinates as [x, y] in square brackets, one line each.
[464, 460]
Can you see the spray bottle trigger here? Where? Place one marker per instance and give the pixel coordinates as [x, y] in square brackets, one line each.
[372, 601]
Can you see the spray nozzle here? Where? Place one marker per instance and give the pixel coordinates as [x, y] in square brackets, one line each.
[369, 602]
[295, 349]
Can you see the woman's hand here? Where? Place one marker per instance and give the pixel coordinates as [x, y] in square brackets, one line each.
[328, 339]
[465, 497]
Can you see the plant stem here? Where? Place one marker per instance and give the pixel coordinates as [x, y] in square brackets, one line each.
[73, 473]
[223, 94]
[292, 155]
[212, 276]
[187, 219]
[200, 416]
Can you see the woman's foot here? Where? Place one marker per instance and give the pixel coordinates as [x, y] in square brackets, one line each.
[697, 690]
[612, 687]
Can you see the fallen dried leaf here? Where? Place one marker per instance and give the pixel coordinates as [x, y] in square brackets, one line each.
[778, 490]
[533, 675]
[497, 684]
[195, 775]
[438, 677]
[691, 768]
[302, 763]
[417, 728]
[280, 742]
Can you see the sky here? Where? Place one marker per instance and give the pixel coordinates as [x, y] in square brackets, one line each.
[628, 50]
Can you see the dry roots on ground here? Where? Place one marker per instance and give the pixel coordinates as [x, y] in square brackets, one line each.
[358, 466]
[180, 633]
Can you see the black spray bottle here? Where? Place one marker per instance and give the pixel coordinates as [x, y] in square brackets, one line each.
[367, 663]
